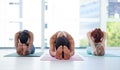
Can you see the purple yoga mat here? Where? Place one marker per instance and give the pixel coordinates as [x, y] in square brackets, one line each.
[47, 57]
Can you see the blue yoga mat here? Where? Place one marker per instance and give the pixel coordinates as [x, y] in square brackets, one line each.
[37, 54]
[106, 55]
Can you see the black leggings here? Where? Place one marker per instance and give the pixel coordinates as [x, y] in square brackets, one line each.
[61, 41]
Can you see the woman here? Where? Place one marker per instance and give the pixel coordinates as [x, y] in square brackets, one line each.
[61, 45]
[96, 40]
[24, 42]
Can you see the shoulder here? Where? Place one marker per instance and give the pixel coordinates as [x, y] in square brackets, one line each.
[68, 36]
[67, 33]
[104, 33]
[56, 33]
[30, 32]
[18, 33]
[89, 33]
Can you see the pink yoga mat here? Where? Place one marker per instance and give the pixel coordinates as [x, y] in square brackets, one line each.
[47, 57]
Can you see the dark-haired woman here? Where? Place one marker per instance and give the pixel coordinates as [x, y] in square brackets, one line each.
[96, 40]
[61, 45]
[24, 42]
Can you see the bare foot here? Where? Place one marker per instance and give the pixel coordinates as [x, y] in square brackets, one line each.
[59, 53]
[20, 50]
[25, 50]
[66, 53]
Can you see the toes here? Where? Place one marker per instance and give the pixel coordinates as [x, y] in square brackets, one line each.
[59, 53]
[66, 53]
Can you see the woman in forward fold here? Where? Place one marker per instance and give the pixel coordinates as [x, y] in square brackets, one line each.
[61, 45]
[24, 42]
[96, 40]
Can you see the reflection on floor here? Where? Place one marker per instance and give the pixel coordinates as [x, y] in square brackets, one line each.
[34, 63]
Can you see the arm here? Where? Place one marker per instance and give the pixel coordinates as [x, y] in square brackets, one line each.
[71, 41]
[18, 45]
[31, 39]
[90, 41]
[104, 38]
[52, 46]
[16, 41]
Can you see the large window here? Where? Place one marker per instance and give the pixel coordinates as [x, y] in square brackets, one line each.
[16, 15]
[62, 15]
[77, 17]
[74, 16]
[89, 19]
[113, 23]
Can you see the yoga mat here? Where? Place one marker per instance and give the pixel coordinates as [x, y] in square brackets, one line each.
[47, 57]
[106, 55]
[37, 54]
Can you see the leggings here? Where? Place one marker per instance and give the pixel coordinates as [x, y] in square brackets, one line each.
[89, 48]
[32, 50]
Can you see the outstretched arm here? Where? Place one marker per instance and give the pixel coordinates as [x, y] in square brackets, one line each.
[91, 41]
[52, 50]
[71, 41]
[16, 41]
[31, 39]
[18, 45]
[104, 38]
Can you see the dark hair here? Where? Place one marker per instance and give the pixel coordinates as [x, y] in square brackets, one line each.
[97, 34]
[61, 41]
[24, 35]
